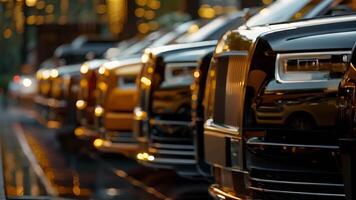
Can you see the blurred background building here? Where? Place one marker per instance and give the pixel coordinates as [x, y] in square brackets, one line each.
[30, 30]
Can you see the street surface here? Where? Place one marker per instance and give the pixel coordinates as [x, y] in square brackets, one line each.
[44, 162]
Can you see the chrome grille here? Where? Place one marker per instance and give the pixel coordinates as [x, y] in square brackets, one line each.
[294, 171]
[235, 89]
[120, 137]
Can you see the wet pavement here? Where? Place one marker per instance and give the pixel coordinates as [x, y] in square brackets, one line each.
[43, 162]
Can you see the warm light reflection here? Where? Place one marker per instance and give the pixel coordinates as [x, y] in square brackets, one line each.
[31, 3]
[102, 70]
[46, 74]
[145, 157]
[146, 81]
[80, 104]
[139, 114]
[83, 83]
[98, 143]
[99, 111]
[145, 58]
[39, 75]
[196, 74]
[205, 11]
[84, 68]
[150, 70]
[102, 86]
[26, 82]
[79, 131]
[54, 73]
[193, 28]
[53, 124]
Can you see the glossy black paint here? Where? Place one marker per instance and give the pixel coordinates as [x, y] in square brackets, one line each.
[198, 92]
[346, 122]
[290, 157]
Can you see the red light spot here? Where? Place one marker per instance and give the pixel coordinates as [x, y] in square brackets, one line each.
[16, 78]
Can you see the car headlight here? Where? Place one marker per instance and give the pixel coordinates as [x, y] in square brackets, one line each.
[54, 73]
[102, 70]
[99, 111]
[146, 56]
[84, 68]
[311, 67]
[27, 82]
[46, 74]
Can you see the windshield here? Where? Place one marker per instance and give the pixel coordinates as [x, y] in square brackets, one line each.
[214, 29]
[147, 41]
[283, 10]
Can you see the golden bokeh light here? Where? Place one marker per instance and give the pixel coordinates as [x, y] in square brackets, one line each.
[141, 2]
[7, 33]
[40, 5]
[154, 4]
[150, 14]
[31, 3]
[31, 20]
[205, 11]
[140, 12]
[143, 28]
[49, 8]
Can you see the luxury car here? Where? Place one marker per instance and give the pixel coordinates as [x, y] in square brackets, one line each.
[293, 69]
[165, 106]
[190, 31]
[179, 157]
[114, 105]
[64, 56]
[63, 94]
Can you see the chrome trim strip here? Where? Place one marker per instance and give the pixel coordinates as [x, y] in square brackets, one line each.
[169, 122]
[211, 126]
[174, 161]
[182, 64]
[297, 183]
[232, 53]
[297, 193]
[254, 141]
[171, 152]
[230, 169]
[302, 55]
[172, 146]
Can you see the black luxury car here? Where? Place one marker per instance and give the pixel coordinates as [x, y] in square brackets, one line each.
[270, 129]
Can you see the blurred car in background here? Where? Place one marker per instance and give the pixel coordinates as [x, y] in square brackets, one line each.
[163, 116]
[23, 87]
[298, 65]
[115, 102]
[87, 92]
[196, 30]
[67, 59]
[63, 94]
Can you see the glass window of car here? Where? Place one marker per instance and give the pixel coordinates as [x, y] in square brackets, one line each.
[214, 29]
[285, 10]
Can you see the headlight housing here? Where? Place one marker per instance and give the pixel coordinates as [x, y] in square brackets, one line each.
[311, 66]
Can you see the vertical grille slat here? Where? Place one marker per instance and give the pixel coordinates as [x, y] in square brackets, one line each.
[231, 76]
[235, 86]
